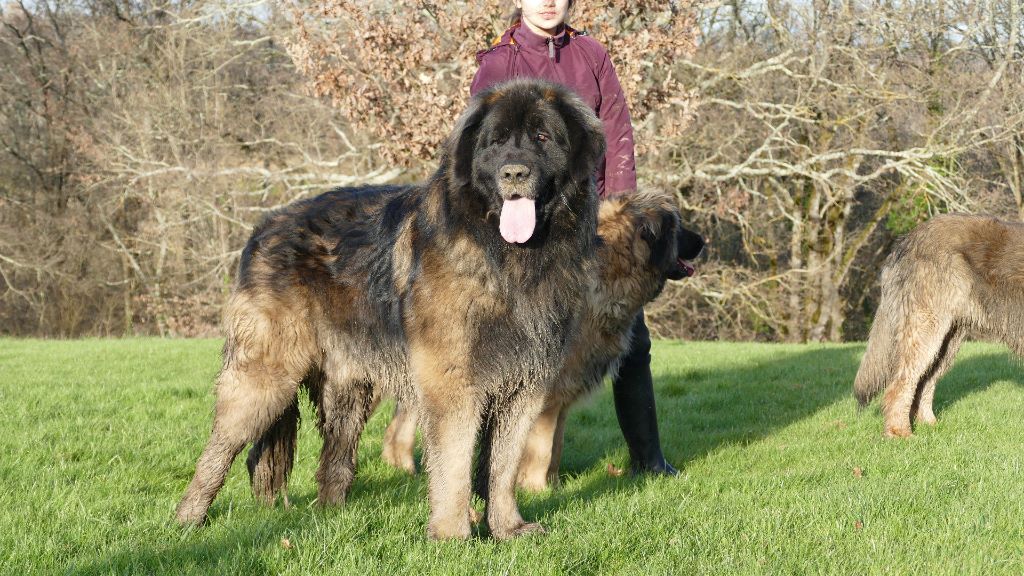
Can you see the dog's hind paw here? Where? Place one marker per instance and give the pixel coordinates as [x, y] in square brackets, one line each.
[475, 517]
[897, 432]
[403, 462]
[533, 484]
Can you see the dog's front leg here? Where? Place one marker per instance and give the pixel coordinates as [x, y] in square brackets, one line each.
[511, 423]
[450, 411]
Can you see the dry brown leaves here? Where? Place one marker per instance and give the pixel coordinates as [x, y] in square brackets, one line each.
[613, 470]
[400, 71]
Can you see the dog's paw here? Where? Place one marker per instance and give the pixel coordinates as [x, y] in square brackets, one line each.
[533, 484]
[656, 467]
[403, 462]
[474, 516]
[455, 529]
[190, 517]
[897, 432]
[524, 529]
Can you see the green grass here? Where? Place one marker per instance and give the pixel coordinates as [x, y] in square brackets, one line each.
[100, 438]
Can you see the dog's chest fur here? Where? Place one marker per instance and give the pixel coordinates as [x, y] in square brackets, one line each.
[515, 327]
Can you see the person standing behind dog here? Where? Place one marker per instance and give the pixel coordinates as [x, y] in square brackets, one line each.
[539, 44]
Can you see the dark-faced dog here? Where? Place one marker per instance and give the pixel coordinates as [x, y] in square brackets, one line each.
[462, 293]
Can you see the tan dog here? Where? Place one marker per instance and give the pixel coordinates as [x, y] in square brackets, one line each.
[953, 276]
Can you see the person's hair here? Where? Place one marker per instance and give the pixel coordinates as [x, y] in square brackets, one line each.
[517, 15]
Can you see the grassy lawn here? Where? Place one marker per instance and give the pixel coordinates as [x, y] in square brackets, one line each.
[100, 438]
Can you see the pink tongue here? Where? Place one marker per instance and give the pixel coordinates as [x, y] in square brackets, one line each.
[518, 218]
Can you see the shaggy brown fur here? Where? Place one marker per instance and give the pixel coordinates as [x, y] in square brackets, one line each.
[953, 276]
[412, 291]
[642, 242]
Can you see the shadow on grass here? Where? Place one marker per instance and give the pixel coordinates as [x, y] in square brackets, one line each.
[700, 409]
[970, 375]
[211, 555]
[236, 541]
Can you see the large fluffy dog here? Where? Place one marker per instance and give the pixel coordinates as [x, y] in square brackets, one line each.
[642, 245]
[464, 292]
[952, 276]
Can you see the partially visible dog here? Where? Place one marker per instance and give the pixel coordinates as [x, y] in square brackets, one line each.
[643, 244]
[953, 276]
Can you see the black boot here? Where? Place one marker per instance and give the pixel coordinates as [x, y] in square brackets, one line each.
[633, 389]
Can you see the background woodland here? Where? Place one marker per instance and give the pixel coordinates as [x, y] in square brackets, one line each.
[141, 141]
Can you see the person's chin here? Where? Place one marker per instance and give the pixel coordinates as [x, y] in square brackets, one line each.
[549, 24]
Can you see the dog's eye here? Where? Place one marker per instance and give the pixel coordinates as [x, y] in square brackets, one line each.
[500, 137]
[542, 137]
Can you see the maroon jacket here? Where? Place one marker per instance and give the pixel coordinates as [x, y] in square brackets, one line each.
[581, 63]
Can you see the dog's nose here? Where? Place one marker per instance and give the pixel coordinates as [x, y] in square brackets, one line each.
[514, 173]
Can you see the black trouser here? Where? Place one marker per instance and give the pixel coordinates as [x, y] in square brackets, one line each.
[633, 389]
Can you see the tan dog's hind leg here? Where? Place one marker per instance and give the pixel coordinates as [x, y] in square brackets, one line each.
[248, 403]
[271, 457]
[345, 406]
[926, 394]
[538, 453]
[400, 439]
[556, 448]
[921, 342]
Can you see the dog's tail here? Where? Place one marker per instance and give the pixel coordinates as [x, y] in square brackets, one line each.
[875, 368]
[271, 457]
[879, 362]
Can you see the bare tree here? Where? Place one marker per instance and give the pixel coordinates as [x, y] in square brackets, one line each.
[821, 125]
[141, 141]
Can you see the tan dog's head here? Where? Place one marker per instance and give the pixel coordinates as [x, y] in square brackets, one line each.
[643, 244]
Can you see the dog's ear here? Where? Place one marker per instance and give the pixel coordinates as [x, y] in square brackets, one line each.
[658, 231]
[586, 135]
[462, 142]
